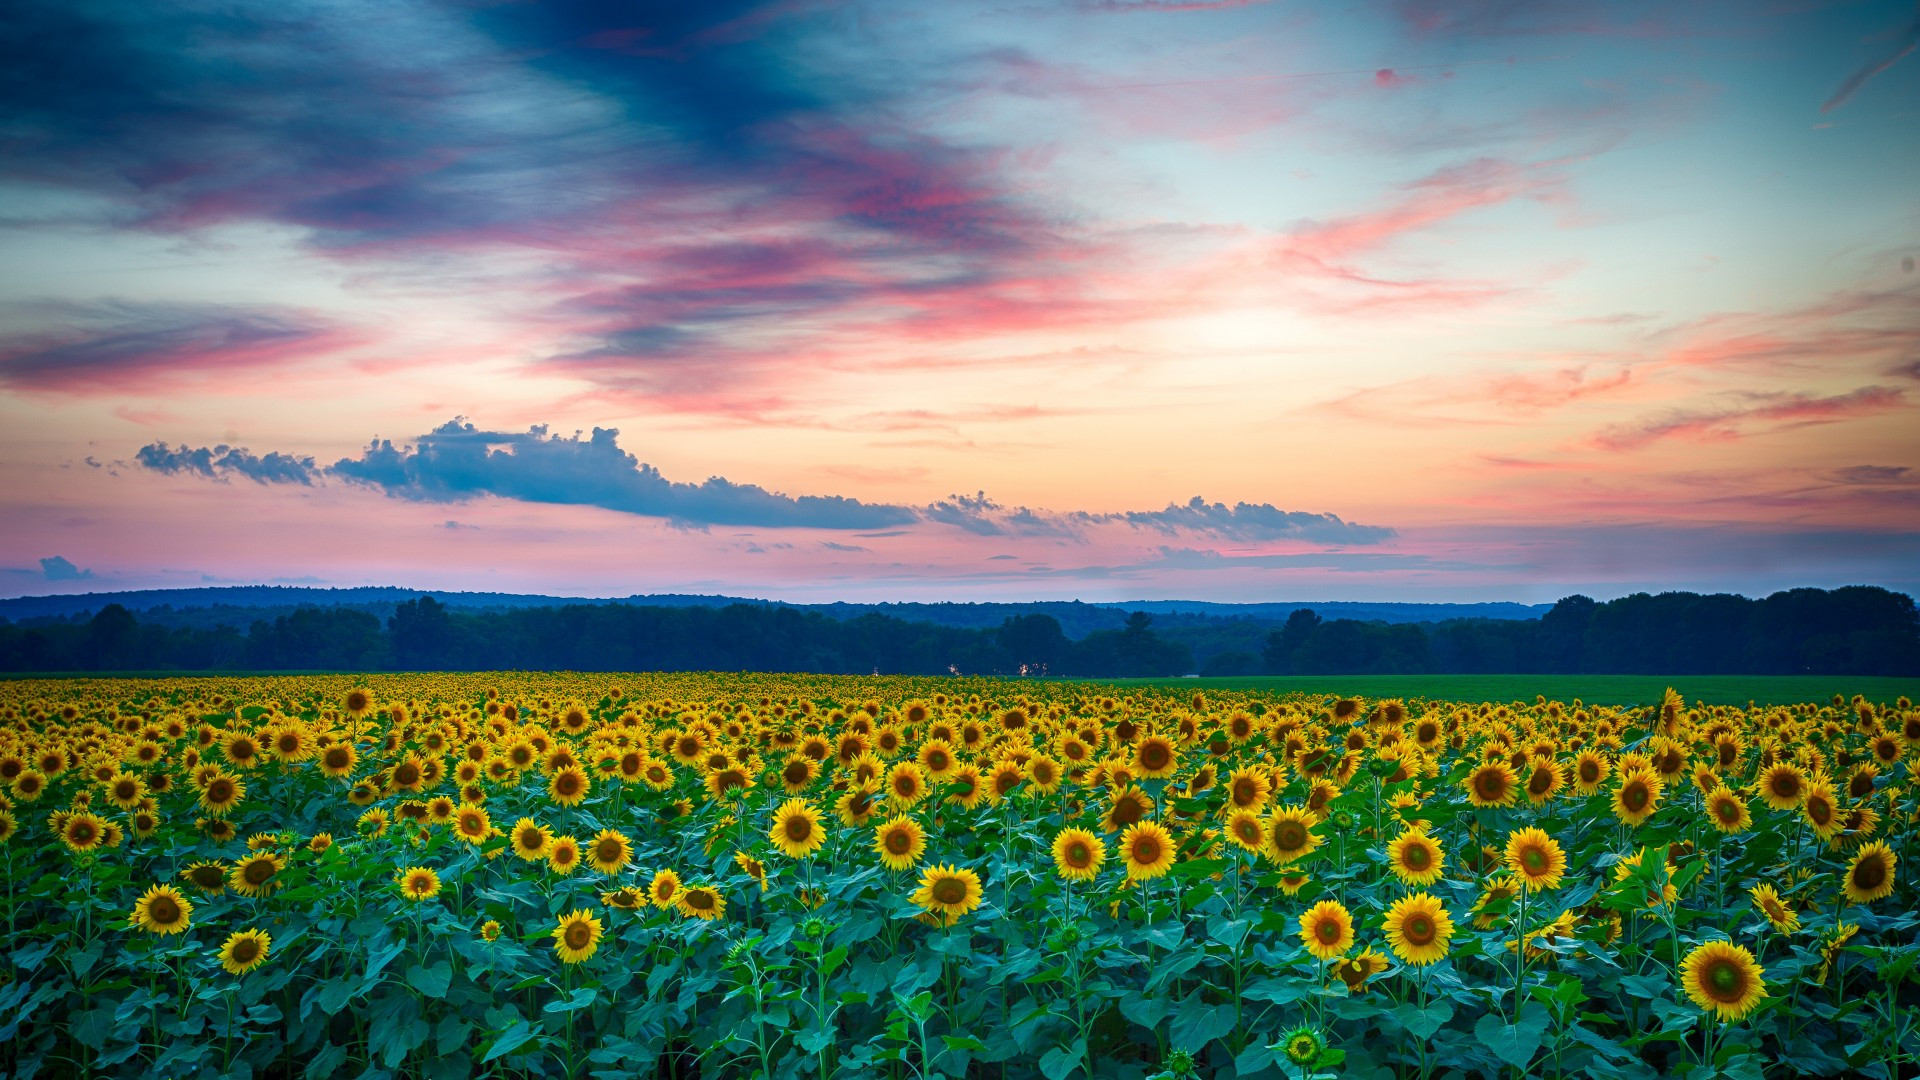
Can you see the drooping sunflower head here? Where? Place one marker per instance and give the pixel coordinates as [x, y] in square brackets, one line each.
[1722, 978]
[208, 877]
[702, 902]
[899, 842]
[1078, 854]
[245, 950]
[162, 910]
[1327, 929]
[1535, 859]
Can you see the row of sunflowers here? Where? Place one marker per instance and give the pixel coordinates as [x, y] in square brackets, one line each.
[775, 876]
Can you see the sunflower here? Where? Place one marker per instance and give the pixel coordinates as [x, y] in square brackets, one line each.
[906, 784]
[1078, 854]
[577, 936]
[1637, 797]
[751, 867]
[1247, 832]
[253, 875]
[531, 840]
[1493, 784]
[1248, 788]
[1043, 775]
[126, 790]
[1003, 780]
[900, 843]
[1783, 786]
[1722, 978]
[1155, 757]
[1870, 876]
[1356, 970]
[1147, 850]
[83, 832]
[702, 902]
[339, 759]
[1535, 859]
[161, 910]
[569, 786]
[1415, 858]
[1767, 902]
[857, 805]
[29, 785]
[610, 851]
[948, 892]
[664, 891]
[563, 855]
[1327, 929]
[1590, 769]
[1544, 781]
[244, 951]
[1290, 834]
[796, 829]
[1130, 805]
[1303, 1046]
[1418, 929]
[418, 883]
[221, 793]
[625, 898]
[1728, 811]
[208, 877]
[490, 930]
[1820, 809]
[1292, 881]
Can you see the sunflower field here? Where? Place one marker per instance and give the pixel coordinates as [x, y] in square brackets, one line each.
[789, 876]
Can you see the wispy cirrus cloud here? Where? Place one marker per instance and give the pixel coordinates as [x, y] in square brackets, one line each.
[118, 348]
[1757, 412]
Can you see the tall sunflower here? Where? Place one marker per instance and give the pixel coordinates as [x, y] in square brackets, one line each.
[1722, 978]
[245, 950]
[702, 902]
[254, 875]
[1783, 786]
[1078, 854]
[1767, 901]
[418, 883]
[1419, 931]
[569, 786]
[1727, 811]
[1870, 875]
[1327, 929]
[1415, 858]
[796, 829]
[899, 842]
[162, 910]
[531, 840]
[664, 890]
[947, 893]
[1290, 834]
[1147, 850]
[1637, 797]
[577, 937]
[563, 855]
[1492, 784]
[1535, 859]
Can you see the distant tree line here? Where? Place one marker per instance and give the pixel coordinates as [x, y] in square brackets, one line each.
[1851, 631]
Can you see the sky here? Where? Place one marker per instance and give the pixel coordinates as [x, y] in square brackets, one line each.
[1424, 300]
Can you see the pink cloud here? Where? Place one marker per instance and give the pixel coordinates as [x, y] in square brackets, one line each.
[1771, 412]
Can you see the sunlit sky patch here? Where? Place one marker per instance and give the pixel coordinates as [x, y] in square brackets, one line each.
[1242, 301]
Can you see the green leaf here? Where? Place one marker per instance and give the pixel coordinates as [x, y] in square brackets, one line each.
[431, 981]
[1061, 1061]
[1422, 1023]
[831, 962]
[1144, 1010]
[324, 1061]
[573, 1002]
[963, 1042]
[1516, 1043]
[334, 996]
[1198, 1023]
[510, 1040]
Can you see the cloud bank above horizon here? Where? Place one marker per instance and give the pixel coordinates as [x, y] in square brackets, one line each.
[1444, 298]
